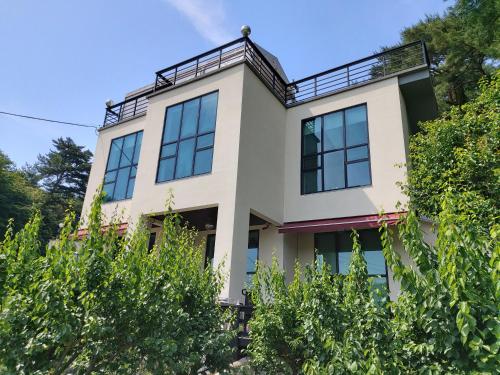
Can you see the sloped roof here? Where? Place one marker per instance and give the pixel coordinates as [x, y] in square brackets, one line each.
[273, 60]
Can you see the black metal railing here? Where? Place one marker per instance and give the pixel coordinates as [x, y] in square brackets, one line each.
[371, 68]
[380, 65]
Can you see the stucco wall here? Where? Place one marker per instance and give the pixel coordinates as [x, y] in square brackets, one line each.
[387, 148]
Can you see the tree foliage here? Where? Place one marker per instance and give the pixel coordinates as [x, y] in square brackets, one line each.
[107, 304]
[463, 46]
[446, 320]
[459, 151]
[17, 195]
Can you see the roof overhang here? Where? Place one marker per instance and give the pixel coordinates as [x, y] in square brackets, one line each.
[341, 224]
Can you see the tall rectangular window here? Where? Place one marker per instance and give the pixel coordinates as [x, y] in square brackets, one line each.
[252, 255]
[188, 138]
[335, 249]
[121, 169]
[335, 153]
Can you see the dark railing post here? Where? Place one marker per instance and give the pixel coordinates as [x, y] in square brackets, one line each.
[220, 58]
[135, 106]
[383, 65]
[315, 86]
[348, 78]
[196, 69]
[175, 75]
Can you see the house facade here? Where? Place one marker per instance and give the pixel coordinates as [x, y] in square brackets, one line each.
[262, 166]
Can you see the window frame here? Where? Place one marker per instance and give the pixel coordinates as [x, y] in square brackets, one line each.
[345, 148]
[179, 140]
[258, 253]
[336, 233]
[132, 165]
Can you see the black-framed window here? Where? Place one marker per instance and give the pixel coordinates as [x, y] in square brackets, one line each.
[252, 255]
[188, 138]
[335, 151]
[121, 169]
[210, 250]
[335, 249]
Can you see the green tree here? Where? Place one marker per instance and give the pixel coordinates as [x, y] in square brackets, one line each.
[105, 304]
[459, 151]
[62, 173]
[17, 195]
[463, 46]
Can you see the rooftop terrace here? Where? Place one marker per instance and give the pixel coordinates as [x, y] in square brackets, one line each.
[382, 65]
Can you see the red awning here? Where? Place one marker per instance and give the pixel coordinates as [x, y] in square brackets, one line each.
[122, 228]
[340, 224]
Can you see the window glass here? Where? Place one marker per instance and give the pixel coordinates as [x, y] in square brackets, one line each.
[172, 123]
[252, 255]
[335, 151]
[311, 181]
[190, 118]
[188, 141]
[185, 158]
[166, 169]
[312, 136]
[208, 112]
[356, 127]
[203, 161]
[357, 153]
[334, 170]
[210, 250]
[358, 174]
[119, 179]
[333, 131]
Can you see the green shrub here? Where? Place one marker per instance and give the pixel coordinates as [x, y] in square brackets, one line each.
[107, 304]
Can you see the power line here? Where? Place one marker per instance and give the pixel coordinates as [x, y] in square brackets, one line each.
[48, 120]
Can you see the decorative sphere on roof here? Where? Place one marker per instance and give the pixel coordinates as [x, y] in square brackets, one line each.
[245, 30]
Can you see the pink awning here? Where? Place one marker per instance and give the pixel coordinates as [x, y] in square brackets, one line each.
[340, 224]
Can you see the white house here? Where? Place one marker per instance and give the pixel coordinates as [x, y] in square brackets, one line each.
[262, 166]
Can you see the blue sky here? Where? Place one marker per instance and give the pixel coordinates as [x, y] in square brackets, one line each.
[62, 59]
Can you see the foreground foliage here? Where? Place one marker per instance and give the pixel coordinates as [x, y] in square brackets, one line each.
[108, 304]
[446, 319]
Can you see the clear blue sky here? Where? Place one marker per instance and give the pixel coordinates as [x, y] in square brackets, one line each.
[62, 59]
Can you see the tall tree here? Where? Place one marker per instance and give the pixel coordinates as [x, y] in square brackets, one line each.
[463, 46]
[63, 173]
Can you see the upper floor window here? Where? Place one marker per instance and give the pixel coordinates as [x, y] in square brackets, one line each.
[119, 180]
[188, 138]
[335, 153]
[335, 249]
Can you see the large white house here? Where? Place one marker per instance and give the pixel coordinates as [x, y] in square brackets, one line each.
[261, 165]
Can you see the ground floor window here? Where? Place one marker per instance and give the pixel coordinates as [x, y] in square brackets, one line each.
[252, 255]
[209, 251]
[335, 249]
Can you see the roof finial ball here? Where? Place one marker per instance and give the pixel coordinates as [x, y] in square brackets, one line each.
[245, 30]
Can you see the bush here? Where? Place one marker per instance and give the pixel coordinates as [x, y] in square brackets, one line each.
[446, 319]
[107, 304]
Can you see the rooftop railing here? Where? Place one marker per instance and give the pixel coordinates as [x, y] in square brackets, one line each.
[380, 65]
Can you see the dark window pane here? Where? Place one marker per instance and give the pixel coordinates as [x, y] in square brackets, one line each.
[110, 176]
[358, 174]
[208, 112]
[356, 127]
[128, 150]
[325, 245]
[138, 144]
[166, 169]
[370, 239]
[357, 153]
[168, 150]
[203, 161]
[185, 155]
[344, 241]
[172, 123]
[152, 240]
[190, 118]
[311, 181]
[133, 171]
[210, 250]
[312, 136]
[108, 189]
[333, 131]
[334, 170]
[205, 141]
[130, 190]
[114, 154]
[121, 183]
[312, 162]
[375, 262]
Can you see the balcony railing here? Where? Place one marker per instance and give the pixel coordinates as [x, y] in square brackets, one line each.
[383, 64]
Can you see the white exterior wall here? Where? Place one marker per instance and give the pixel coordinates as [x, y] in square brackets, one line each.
[256, 167]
